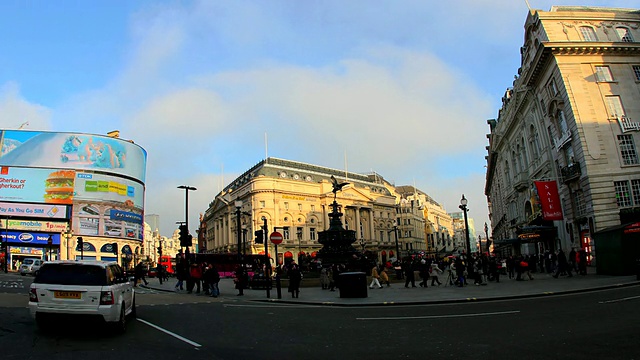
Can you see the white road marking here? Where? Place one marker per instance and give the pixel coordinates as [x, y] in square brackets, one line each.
[441, 316]
[619, 300]
[170, 333]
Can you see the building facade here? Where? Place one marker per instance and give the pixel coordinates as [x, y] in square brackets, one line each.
[294, 199]
[570, 120]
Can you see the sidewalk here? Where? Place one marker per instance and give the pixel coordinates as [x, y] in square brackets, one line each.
[397, 294]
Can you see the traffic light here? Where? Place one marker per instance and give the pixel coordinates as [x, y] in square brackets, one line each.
[185, 238]
[160, 250]
[80, 245]
[259, 237]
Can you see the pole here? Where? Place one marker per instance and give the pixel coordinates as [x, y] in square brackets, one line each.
[267, 267]
[5, 245]
[186, 213]
[463, 207]
[486, 235]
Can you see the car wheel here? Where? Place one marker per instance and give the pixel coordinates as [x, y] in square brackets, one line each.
[121, 325]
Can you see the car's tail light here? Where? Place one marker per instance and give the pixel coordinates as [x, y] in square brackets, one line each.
[106, 298]
[33, 295]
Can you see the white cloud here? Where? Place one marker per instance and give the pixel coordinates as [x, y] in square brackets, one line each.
[16, 111]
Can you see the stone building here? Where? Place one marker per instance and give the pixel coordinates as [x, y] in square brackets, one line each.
[571, 118]
[294, 198]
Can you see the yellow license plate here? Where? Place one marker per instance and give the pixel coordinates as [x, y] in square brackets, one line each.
[67, 295]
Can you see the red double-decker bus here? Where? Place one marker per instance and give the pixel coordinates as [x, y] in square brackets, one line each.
[169, 264]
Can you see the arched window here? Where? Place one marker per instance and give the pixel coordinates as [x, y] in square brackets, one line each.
[624, 34]
[562, 122]
[523, 154]
[507, 172]
[535, 142]
[588, 33]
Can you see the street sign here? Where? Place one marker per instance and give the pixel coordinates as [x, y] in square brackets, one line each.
[275, 237]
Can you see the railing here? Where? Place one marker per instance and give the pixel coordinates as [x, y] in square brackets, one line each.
[571, 172]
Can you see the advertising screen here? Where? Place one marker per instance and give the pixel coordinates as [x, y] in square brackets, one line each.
[48, 186]
[106, 205]
[8, 210]
[72, 151]
[33, 225]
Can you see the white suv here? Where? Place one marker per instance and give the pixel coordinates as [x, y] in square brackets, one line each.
[82, 288]
[30, 266]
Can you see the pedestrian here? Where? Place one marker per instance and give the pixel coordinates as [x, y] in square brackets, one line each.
[384, 276]
[324, 278]
[160, 272]
[563, 265]
[375, 278]
[181, 274]
[423, 270]
[195, 275]
[239, 280]
[511, 266]
[408, 273]
[139, 274]
[295, 277]
[582, 258]
[212, 277]
[459, 267]
[494, 269]
[573, 260]
[434, 272]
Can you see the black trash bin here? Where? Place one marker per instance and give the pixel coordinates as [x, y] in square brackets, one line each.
[353, 285]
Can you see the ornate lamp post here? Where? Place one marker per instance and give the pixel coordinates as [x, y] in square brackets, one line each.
[463, 207]
[486, 235]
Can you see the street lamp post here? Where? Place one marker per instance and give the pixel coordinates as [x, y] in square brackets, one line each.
[186, 211]
[463, 207]
[486, 235]
[395, 232]
[238, 204]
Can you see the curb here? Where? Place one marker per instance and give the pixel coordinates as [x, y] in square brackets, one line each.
[434, 302]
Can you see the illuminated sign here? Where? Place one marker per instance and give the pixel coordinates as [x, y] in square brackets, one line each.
[99, 188]
[33, 225]
[29, 238]
[33, 210]
[72, 151]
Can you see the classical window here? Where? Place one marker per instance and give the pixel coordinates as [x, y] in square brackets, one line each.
[635, 190]
[507, 172]
[286, 205]
[312, 233]
[581, 207]
[588, 33]
[603, 74]
[535, 139]
[614, 106]
[313, 208]
[636, 71]
[285, 233]
[628, 149]
[569, 155]
[553, 87]
[623, 195]
[562, 123]
[262, 204]
[300, 207]
[624, 34]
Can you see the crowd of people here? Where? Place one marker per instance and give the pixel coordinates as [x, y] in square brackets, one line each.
[416, 271]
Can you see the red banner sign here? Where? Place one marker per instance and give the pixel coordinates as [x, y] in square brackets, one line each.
[549, 200]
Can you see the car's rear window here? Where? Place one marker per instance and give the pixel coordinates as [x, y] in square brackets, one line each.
[28, 261]
[71, 274]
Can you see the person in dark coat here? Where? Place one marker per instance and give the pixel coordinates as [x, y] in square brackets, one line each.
[408, 274]
[563, 265]
[240, 280]
[139, 274]
[295, 277]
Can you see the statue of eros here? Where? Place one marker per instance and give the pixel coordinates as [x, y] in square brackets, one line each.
[337, 186]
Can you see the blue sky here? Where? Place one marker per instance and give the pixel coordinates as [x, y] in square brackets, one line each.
[403, 88]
